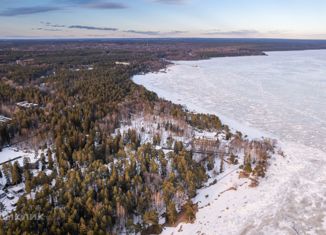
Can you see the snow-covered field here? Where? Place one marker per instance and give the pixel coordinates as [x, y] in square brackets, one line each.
[12, 153]
[282, 95]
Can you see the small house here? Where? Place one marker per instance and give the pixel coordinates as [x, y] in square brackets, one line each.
[4, 119]
[122, 63]
[26, 105]
[2, 194]
[17, 189]
[10, 196]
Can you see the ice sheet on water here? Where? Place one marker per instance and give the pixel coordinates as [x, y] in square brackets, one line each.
[283, 95]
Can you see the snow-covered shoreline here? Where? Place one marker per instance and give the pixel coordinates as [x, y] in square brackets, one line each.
[268, 209]
[288, 84]
[291, 199]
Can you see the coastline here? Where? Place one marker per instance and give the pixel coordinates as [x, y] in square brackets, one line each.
[269, 210]
[191, 102]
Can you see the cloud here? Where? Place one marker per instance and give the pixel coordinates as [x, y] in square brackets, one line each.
[143, 32]
[172, 1]
[177, 32]
[27, 10]
[235, 32]
[95, 4]
[96, 35]
[48, 24]
[86, 27]
[154, 33]
[105, 5]
[55, 27]
[92, 28]
[45, 29]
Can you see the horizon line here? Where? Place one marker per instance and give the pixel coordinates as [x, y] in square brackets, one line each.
[23, 38]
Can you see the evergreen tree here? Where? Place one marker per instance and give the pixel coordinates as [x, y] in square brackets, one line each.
[50, 159]
[150, 217]
[28, 186]
[189, 208]
[171, 213]
[43, 162]
[16, 175]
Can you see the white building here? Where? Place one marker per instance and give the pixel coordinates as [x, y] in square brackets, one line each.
[122, 63]
[25, 104]
[4, 119]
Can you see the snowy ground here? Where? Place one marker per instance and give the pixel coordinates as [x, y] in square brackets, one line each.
[10, 153]
[12, 194]
[282, 94]
[150, 125]
[283, 203]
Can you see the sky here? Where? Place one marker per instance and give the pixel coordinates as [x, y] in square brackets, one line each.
[304, 19]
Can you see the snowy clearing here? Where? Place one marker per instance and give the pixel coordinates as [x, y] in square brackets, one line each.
[10, 195]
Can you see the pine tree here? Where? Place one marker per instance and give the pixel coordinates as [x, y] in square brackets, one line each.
[28, 186]
[150, 217]
[189, 211]
[171, 213]
[247, 167]
[16, 176]
[7, 168]
[26, 163]
[82, 227]
[178, 146]
[50, 159]
[43, 162]
[2, 207]
[168, 190]
[222, 164]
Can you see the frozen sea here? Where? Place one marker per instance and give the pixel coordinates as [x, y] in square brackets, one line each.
[282, 95]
